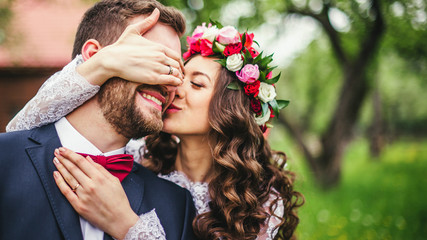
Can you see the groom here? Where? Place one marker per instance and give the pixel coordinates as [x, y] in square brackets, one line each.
[31, 205]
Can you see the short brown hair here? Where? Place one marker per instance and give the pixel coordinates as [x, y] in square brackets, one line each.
[107, 19]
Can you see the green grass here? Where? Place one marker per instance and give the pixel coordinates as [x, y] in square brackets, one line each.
[384, 198]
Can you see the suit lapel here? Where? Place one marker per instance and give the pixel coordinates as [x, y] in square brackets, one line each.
[42, 155]
[134, 188]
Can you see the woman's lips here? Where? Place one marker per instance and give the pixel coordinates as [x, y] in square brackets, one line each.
[173, 108]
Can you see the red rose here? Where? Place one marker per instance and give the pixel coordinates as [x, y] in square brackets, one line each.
[263, 128]
[254, 53]
[188, 54]
[194, 44]
[231, 49]
[206, 47]
[249, 40]
[252, 89]
[256, 105]
[271, 111]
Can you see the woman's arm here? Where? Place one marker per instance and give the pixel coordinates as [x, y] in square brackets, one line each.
[131, 57]
[269, 230]
[58, 96]
[100, 198]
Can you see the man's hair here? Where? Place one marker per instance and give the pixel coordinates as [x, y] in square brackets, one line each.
[107, 19]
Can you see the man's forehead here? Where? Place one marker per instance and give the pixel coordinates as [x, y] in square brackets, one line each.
[161, 33]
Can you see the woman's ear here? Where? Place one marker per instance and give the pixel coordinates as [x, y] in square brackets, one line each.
[90, 47]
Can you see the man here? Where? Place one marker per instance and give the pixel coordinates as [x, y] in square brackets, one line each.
[31, 205]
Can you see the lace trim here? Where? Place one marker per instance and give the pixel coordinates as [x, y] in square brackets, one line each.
[59, 95]
[199, 190]
[148, 227]
[273, 221]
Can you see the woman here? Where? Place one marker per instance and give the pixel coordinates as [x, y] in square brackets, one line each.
[212, 144]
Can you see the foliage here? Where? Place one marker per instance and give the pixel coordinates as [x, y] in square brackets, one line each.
[377, 198]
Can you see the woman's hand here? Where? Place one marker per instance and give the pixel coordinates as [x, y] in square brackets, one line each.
[94, 193]
[134, 58]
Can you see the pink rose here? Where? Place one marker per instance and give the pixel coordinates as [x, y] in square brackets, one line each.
[199, 30]
[228, 35]
[249, 74]
[206, 48]
[269, 75]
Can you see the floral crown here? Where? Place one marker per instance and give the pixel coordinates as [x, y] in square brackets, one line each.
[236, 53]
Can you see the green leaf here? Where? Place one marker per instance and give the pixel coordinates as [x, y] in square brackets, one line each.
[282, 103]
[243, 39]
[218, 24]
[222, 61]
[258, 58]
[269, 125]
[264, 108]
[274, 106]
[261, 76]
[248, 57]
[273, 80]
[233, 86]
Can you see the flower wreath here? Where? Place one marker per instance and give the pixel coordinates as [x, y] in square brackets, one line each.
[236, 53]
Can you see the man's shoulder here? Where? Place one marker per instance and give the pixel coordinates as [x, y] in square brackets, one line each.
[47, 130]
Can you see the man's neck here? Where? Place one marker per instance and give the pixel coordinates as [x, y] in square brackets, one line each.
[89, 121]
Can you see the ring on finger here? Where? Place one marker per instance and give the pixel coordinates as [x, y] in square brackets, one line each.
[75, 187]
[170, 70]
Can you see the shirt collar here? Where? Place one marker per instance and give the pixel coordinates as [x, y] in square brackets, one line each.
[73, 140]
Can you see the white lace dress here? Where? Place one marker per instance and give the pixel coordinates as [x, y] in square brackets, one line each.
[66, 90]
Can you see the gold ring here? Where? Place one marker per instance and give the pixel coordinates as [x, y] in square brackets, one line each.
[170, 70]
[75, 187]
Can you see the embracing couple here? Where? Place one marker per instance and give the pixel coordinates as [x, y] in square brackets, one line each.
[202, 168]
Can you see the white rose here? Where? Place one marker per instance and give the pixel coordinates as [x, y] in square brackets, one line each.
[262, 120]
[210, 33]
[234, 62]
[267, 92]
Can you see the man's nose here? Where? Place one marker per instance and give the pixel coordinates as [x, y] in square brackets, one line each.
[171, 95]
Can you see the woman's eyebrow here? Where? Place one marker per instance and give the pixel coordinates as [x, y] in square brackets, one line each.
[196, 73]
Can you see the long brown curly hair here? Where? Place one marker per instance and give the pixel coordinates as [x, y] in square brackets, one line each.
[246, 171]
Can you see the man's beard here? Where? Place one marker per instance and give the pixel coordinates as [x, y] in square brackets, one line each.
[117, 101]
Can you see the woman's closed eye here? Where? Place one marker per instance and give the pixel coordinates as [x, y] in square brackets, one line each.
[197, 84]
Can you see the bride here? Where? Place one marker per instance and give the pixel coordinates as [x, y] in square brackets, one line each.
[212, 143]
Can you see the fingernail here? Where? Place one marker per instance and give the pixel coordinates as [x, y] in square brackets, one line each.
[55, 160]
[55, 174]
[57, 151]
[61, 149]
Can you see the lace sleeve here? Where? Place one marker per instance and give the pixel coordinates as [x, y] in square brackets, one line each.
[58, 96]
[269, 230]
[148, 227]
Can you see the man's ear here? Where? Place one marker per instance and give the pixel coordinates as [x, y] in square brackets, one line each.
[90, 47]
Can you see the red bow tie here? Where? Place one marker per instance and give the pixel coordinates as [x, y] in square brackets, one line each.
[119, 165]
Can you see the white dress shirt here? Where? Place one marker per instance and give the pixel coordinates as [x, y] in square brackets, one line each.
[73, 140]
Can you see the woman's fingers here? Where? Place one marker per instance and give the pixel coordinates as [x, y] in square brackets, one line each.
[65, 174]
[76, 166]
[146, 24]
[81, 162]
[65, 189]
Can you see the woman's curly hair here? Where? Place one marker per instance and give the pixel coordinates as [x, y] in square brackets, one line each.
[246, 171]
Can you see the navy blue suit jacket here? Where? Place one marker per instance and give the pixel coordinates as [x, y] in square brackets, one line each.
[32, 207]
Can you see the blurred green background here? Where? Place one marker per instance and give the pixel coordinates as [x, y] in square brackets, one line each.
[355, 131]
